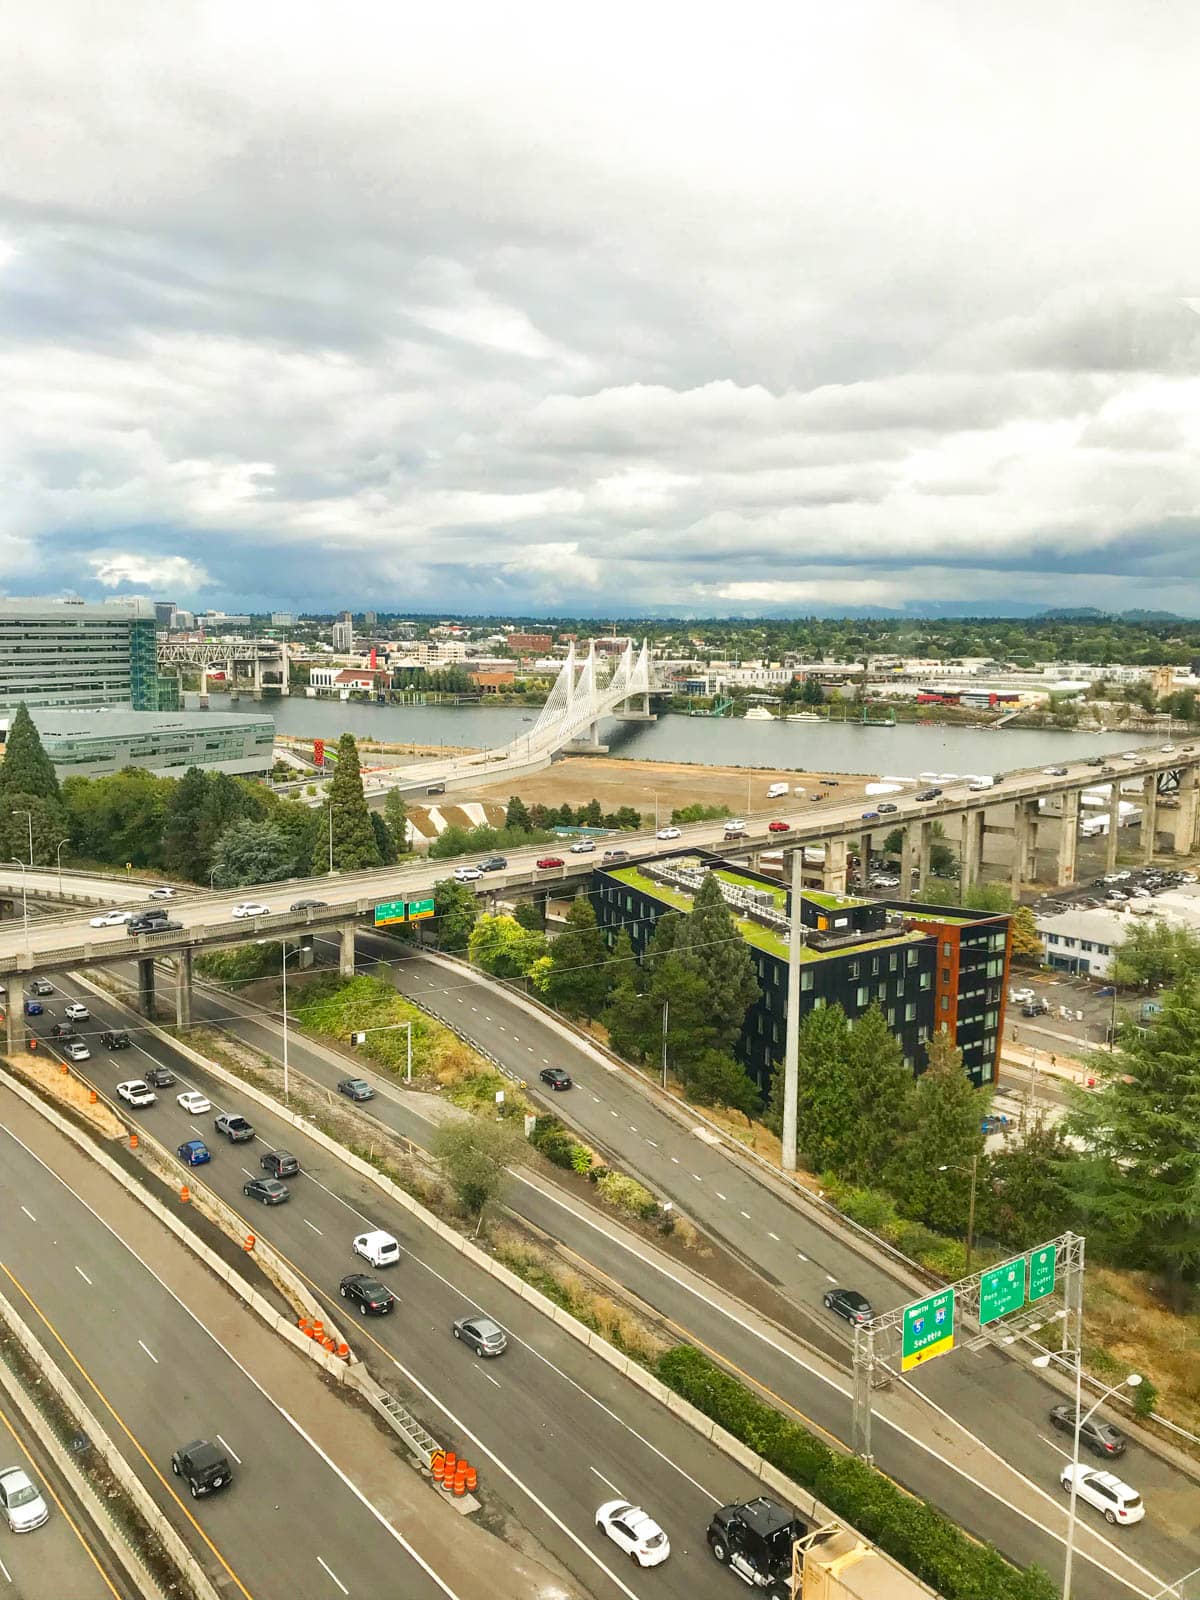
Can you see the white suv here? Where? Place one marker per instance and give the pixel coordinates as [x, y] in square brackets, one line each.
[1119, 1503]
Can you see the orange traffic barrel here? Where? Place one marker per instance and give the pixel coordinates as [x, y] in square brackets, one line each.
[318, 1329]
[472, 1480]
[305, 1327]
[33, 1044]
[92, 1097]
[460, 1481]
[185, 1194]
[133, 1141]
[64, 1069]
[344, 1351]
[249, 1242]
[329, 1342]
[437, 1466]
[451, 1465]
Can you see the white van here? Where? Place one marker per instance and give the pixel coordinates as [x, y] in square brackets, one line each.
[777, 791]
[379, 1248]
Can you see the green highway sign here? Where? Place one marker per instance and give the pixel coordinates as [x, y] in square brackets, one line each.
[1001, 1290]
[928, 1329]
[1041, 1272]
[390, 911]
[420, 908]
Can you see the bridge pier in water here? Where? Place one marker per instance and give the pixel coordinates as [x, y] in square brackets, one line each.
[146, 987]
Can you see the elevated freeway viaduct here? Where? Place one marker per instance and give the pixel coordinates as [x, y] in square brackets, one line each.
[337, 903]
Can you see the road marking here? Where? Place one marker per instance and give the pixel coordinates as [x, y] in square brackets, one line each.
[334, 1576]
[596, 1098]
[148, 1351]
[489, 1378]
[515, 1039]
[774, 1236]
[697, 1177]
[653, 1143]
[84, 1276]
[545, 1061]
[311, 1225]
[675, 1159]
[719, 1195]
[6, 1572]
[608, 1482]
[474, 1008]
[247, 1171]
[529, 1047]
[230, 1449]
[829, 1278]
[29, 1213]
[800, 1256]
[746, 1214]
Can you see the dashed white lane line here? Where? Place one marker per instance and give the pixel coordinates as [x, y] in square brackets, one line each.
[596, 1098]
[608, 1482]
[800, 1256]
[829, 1278]
[697, 1177]
[231, 1450]
[84, 1276]
[474, 1008]
[612, 1113]
[746, 1214]
[311, 1225]
[148, 1351]
[529, 1047]
[6, 1572]
[489, 1378]
[653, 1143]
[546, 1063]
[719, 1195]
[334, 1576]
[774, 1236]
[675, 1160]
[29, 1213]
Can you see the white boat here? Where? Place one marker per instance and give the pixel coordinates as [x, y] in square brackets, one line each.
[759, 714]
[803, 716]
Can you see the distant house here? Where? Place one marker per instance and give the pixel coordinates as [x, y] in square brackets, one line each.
[493, 682]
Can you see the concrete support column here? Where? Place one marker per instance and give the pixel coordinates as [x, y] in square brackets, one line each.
[1149, 816]
[1188, 814]
[307, 951]
[833, 879]
[971, 849]
[146, 986]
[1068, 838]
[908, 853]
[286, 686]
[14, 1039]
[1114, 823]
[346, 964]
[183, 989]
[1024, 861]
[924, 850]
[257, 670]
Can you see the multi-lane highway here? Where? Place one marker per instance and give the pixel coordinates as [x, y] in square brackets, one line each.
[998, 1400]
[67, 941]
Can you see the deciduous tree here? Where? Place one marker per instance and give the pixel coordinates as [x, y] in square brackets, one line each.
[454, 912]
[579, 976]
[252, 852]
[184, 855]
[931, 1173]
[475, 1154]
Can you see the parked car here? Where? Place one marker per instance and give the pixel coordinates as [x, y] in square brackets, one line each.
[1035, 1008]
[251, 908]
[110, 919]
[1021, 997]
[848, 1303]
[269, 1191]
[467, 874]
[1119, 1503]
[779, 827]
[556, 1077]
[23, 1507]
[1098, 1436]
[235, 1128]
[116, 1039]
[494, 864]
[632, 1531]
[550, 861]
[377, 1247]
[279, 1163]
[356, 1088]
[193, 1102]
[667, 833]
[368, 1294]
[205, 1466]
[194, 1153]
[481, 1334]
[136, 1093]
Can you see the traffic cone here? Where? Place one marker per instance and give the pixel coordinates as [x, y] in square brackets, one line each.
[92, 1097]
[249, 1242]
[133, 1141]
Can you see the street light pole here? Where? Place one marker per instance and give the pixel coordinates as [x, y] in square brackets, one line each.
[666, 1009]
[1131, 1382]
[58, 853]
[24, 900]
[28, 815]
[973, 1170]
[331, 836]
[283, 969]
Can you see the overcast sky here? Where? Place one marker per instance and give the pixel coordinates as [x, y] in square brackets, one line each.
[717, 308]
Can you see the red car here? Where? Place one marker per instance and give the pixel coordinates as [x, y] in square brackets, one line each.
[550, 861]
[779, 827]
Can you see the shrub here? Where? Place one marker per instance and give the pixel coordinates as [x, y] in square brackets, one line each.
[628, 1195]
[242, 964]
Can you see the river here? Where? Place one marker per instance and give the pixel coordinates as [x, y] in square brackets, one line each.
[907, 749]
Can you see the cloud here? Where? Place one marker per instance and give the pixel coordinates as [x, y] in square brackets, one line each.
[431, 309]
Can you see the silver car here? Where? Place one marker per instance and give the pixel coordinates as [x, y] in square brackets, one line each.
[21, 1503]
[485, 1337]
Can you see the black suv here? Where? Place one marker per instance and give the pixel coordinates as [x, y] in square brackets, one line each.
[368, 1294]
[159, 1077]
[116, 1039]
[1100, 1437]
[928, 794]
[279, 1163]
[204, 1465]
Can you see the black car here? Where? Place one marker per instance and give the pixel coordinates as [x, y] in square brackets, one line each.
[116, 1039]
[494, 864]
[205, 1466]
[1094, 761]
[63, 1030]
[356, 1088]
[928, 794]
[159, 1077]
[850, 1304]
[1100, 1437]
[279, 1163]
[269, 1190]
[368, 1294]
[307, 905]
[556, 1078]
[1036, 1008]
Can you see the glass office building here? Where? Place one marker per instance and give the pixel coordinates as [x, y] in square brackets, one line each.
[89, 744]
[72, 653]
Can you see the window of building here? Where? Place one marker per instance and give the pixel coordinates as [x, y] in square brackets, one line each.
[861, 997]
[854, 969]
[924, 980]
[910, 1011]
[946, 951]
[946, 975]
[945, 1004]
[806, 979]
[912, 956]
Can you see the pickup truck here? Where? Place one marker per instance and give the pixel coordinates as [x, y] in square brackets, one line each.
[235, 1128]
[136, 1093]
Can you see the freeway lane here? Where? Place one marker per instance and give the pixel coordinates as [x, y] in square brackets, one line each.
[808, 824]
[956, 1476]
[553, 1430]
[65, 1556]
[158, 1376]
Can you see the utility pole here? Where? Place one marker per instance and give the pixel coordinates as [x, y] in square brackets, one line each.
[791, 1049]
[666, 1010]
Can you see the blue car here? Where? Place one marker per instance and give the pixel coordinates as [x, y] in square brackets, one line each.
[870, 816]
[194, 1153]
[34, 1008]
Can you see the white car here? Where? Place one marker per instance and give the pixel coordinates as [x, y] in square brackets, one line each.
[251, 908]
[1187, 877]
[377, 1247]
[667, 833]
[1054, 772]
[136, 1093]
[163, 892]
[77, 1050]
[461, 875]
[1168, 749]
[110, 919]
[22, 1505]
[1022, 997]
[634, 1532]
[1131, 755]
[193, 1102]
[76, 1012]
[583, 847]
[1104, 1490]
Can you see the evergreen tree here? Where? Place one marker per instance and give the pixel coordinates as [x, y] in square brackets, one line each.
[880, 1089]
[1138, 1181]
[591, 817]
[579, 976]
[627, 1016]
[931, 1176]
[516, 815]
[223, 803]
[711, 945]
[354, 843]
[383, 839]
[26, 768]
[251, 852]
[823, 1090]
[23, 815]
[183, 853]
[715, 1077]
[300, 826]
[1026, 1199]
[395, 814]
[812, 694]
